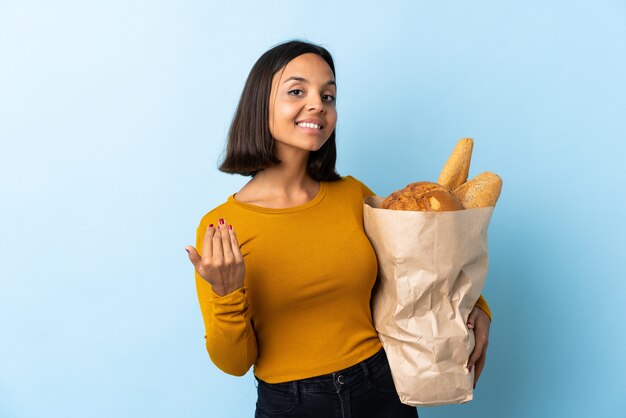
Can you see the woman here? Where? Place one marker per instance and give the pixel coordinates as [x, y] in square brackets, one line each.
[284, 270]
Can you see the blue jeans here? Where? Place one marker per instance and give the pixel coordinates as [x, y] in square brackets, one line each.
[365, 390]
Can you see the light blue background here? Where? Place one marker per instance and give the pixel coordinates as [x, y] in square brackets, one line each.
[113, 116]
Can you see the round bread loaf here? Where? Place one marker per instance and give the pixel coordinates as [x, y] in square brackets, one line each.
[480, 192]
[423, 196]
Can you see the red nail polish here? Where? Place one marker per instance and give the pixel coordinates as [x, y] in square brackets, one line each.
[221, 221]
[211, 226]
[230, 227]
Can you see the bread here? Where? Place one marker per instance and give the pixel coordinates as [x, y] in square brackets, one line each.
[453, 191]
[481, 191]
[456, 169]
[423, 196]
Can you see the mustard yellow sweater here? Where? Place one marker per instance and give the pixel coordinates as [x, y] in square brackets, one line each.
[304, 308]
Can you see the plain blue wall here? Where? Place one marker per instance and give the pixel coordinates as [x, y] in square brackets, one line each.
[113, 116]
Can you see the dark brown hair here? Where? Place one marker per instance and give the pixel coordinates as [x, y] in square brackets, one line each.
[250, 146]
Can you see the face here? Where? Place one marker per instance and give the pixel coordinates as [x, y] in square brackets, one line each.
[302, 111]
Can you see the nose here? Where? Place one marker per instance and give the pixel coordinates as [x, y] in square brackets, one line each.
[316, 105]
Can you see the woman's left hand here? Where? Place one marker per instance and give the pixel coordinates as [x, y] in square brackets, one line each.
[478, 321]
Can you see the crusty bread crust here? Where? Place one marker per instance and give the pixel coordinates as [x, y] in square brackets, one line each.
[456, 169]
[423, 196]
[481, 191]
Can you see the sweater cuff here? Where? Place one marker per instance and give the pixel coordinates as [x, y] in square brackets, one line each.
[481, 304]
[232, 302]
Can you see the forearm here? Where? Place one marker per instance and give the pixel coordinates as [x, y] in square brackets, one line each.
[230, 339]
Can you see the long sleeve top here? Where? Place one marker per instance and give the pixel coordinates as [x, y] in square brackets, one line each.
[304, 307]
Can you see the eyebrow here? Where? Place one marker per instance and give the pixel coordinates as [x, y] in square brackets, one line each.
[329, 82]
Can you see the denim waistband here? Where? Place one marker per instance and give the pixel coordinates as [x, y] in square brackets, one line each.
[342, 378]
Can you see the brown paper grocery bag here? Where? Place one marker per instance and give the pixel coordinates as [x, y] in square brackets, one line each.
[432, 269]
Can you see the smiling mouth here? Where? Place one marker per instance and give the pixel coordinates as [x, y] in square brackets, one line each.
[309, 125]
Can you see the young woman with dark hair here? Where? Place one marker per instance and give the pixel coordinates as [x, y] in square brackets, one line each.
[289, 292]
[250, 145]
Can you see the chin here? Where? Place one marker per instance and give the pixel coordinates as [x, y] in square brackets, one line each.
[317, 146]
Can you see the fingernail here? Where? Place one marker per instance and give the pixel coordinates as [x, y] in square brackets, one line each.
[187, 250]
[211, 226]
[221, 221]
[230, 227]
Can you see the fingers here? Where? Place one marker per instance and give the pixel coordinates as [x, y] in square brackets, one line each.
[194, 257]
[218, 247]
[473, 357]
[207, 243]
[225, 245]
[480, 364]
[234, 244]
[471, 321]
[216, 243]
[477, 353]
[221, 263]
[227, 250]
[480, 323]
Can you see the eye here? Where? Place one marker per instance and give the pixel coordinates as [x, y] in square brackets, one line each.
[329, 97]
[293, 92]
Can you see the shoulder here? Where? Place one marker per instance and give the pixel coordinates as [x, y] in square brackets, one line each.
[365, 191]
[224, 210]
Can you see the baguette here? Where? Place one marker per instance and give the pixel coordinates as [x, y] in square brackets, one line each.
[456, 169]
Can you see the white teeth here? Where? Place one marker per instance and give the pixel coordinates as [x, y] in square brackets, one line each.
[309, 125]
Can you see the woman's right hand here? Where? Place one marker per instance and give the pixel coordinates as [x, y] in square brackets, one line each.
[221, 263]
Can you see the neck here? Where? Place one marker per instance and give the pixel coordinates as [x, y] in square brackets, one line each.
[290, 176]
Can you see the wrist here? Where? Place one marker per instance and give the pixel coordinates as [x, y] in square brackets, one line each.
[218, 290]
[222, 291]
